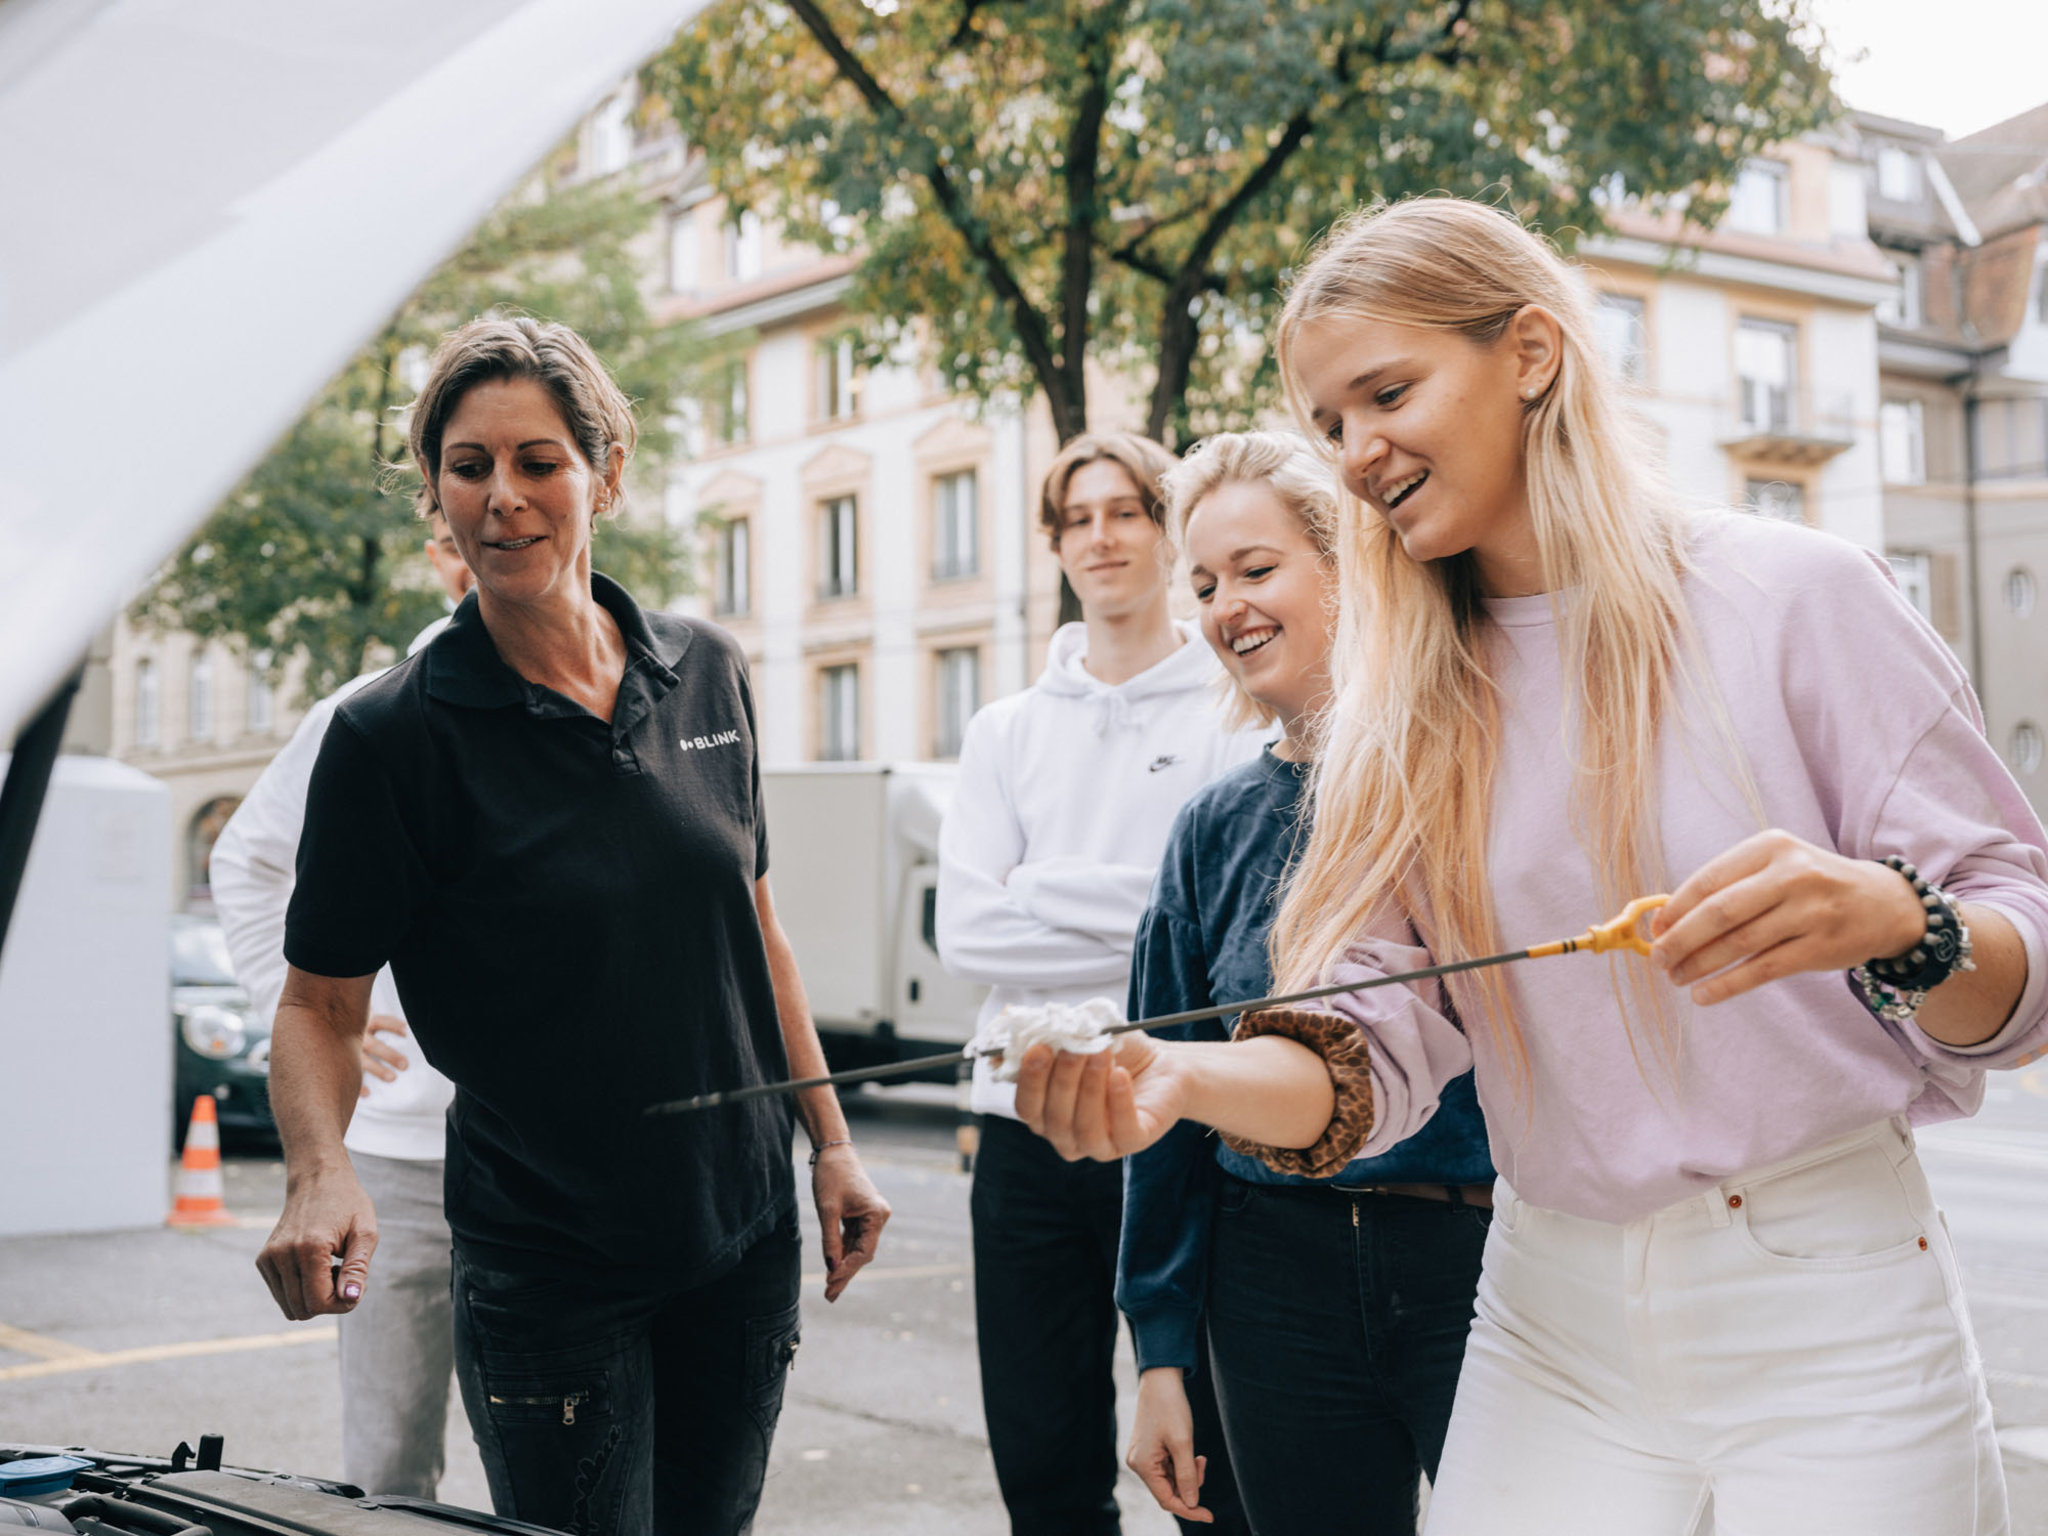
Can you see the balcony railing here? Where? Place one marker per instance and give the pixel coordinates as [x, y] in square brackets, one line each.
[1775, 426]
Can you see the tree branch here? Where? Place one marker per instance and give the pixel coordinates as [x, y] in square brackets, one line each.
[1028, 322]
[1077, 261]
[1178, 326]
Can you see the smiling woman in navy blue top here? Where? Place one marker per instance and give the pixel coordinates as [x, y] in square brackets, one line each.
[1334, 1311]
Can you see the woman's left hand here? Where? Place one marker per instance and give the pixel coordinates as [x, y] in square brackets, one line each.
[851, 1212]
[1775, 905]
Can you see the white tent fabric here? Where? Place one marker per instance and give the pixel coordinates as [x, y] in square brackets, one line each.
[205, 207]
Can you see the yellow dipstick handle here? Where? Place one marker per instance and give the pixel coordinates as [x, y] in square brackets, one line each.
[1623, 932]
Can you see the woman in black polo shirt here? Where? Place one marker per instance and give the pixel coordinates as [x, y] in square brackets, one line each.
[548, 823]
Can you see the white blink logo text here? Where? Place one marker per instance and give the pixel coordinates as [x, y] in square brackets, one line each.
[700, 743]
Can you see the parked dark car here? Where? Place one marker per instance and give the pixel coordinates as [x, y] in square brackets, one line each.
[223, 1049]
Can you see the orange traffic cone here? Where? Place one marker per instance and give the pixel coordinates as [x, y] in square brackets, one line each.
[199, 1189]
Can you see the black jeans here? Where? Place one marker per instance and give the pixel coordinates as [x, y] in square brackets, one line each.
[1045, 1241]
[603, 1409]
[1337, 1326]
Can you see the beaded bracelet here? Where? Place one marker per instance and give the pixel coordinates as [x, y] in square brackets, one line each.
[1895, 988]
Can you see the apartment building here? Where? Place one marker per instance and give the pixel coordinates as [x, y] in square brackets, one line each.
[1752, 347]
[1963, 375]
[872, 541]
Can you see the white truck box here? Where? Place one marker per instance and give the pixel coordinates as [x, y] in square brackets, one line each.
[853, 862]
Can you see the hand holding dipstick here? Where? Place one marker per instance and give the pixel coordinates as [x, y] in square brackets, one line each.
[1624, 931]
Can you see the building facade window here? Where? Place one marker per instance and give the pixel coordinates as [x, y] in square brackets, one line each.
[838, 397]
[1915, 572]
[959, 696]
[199, 699]
[2023, 748]
[1898, 174]
[682, 253]
[1901, 442]
[1901, 307]
[1756, 203]
[956, 526]
[839, 714]
[259, 699]
[2020, 591]
[1624, 338]
[1776, 498]
[731, 569]
[608, 136]
[729, 404]
[743, 248]
[149, 704]
[1766, 367]
[839, 547]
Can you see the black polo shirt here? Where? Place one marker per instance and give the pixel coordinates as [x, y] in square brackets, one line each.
[568, 909]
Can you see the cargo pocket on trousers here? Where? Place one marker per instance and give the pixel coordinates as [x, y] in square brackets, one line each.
[566, 1400]
[772, 1343]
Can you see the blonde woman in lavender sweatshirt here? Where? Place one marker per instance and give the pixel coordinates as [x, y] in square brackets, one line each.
[1715, 1276]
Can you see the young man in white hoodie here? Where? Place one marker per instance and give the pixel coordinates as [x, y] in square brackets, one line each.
[1067, 792]
[398, 1346]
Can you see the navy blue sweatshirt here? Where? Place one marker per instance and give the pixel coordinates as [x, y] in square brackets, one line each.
[1203, 940]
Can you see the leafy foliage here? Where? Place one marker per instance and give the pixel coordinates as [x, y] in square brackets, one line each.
[1034, 183]
[318, 551]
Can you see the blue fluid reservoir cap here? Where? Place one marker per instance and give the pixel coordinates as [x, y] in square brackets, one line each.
[39, 1474]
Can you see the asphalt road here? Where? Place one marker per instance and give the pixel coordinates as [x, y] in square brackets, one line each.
[136, 1340]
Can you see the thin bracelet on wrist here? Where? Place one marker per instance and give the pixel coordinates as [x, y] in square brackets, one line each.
[837, 1141]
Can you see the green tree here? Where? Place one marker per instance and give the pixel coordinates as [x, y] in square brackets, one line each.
[1035, 183]
[317, 552]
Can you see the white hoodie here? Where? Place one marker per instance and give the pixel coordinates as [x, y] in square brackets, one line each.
[253, 870]
[1066, 794]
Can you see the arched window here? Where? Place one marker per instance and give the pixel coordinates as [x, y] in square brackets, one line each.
[205, 831]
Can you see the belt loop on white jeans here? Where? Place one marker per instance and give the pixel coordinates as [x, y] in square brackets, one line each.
[1719, 1207]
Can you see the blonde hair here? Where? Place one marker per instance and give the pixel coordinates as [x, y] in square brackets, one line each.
[1289, 467]
[1139, 457]
[1404, 783]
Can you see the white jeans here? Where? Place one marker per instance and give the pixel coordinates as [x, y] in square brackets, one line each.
[1788, 1352]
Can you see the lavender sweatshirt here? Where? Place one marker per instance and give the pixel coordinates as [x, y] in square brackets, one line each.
[1862, 735]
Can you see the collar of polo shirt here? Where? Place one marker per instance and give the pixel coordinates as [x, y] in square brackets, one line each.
[463, 666]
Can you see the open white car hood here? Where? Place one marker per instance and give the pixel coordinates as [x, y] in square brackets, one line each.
[206, 206]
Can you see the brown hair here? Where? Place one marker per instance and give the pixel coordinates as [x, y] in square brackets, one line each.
[1139, 457]
[593, 407]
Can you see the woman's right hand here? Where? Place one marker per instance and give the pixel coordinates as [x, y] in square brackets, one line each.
[1163, 1445]
[1103, 1106]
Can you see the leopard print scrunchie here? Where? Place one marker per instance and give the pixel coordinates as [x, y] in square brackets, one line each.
[1342, 1046]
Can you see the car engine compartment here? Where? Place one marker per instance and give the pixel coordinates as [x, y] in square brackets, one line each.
[191, 1493]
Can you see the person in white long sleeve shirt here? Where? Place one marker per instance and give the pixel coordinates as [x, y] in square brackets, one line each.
[397, 1346]
[1066, 794]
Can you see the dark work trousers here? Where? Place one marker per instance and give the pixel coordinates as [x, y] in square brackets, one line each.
[1337, 1325]
[1045, 1241]
[604, 1409]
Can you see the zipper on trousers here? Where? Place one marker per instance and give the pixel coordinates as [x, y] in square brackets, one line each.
[568, 1402]
[1354, 1213]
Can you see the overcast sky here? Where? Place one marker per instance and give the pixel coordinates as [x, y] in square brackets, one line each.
[1958, 65]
